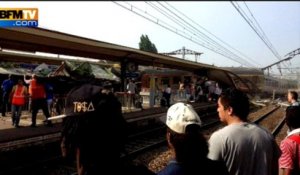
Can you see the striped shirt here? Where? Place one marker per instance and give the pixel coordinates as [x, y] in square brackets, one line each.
[288, 149]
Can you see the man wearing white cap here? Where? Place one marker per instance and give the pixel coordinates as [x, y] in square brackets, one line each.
[188, 145]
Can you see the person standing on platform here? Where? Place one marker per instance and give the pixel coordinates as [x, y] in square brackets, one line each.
[246, 148]
[49, 96]
[181, 93]
[38, 99]
[93, 113]
[18, 99]
[131, 90]
[218, 92]
[167, 95]
[292, 98]
[211, 90]
[6, 86]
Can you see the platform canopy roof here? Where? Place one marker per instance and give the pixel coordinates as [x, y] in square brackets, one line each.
[43, 40]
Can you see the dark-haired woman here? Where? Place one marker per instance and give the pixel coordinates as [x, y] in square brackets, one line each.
[188, 145]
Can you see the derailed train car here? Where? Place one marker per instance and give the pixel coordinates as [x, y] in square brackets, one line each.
[264, 85]
[278, 86]
[173, 77]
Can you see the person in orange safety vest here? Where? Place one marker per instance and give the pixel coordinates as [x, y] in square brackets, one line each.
[18, 100]
[38, 99]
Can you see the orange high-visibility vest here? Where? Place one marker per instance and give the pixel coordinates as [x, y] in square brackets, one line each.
[19, 96]
[36, 90]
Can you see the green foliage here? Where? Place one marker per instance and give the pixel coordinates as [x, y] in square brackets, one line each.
[79, 70]
[146, 45]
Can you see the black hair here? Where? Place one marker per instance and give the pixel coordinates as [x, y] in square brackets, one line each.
[97, 134]
[294, 95]
[190, 147]
[292, 118]
[237, 100]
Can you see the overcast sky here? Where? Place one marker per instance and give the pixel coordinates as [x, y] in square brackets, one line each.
[109, 22]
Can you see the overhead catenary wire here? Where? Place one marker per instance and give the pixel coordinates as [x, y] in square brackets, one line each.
[259, 33]
[175, 30]
[193, 31]
[190, 28]
[182, 14]
[197, 32]
[181, 24]
[245, 17]
[262, 31]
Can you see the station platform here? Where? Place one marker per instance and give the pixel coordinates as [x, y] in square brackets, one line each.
[13, 138]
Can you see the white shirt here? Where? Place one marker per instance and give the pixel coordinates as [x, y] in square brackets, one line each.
[131, 88]
[168, 90]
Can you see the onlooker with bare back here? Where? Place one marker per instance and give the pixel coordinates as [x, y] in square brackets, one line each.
[289, 161]
[181, 93]
[18, 100]
[246, 148]
[38, 99]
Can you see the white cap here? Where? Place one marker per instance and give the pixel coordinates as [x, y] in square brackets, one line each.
[180, 115]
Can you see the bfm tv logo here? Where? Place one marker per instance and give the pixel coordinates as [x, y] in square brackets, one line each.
[19, 17]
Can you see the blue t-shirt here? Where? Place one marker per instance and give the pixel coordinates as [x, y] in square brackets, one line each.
[173, 168]
[49, 91]
[7, 85]
[206, 165]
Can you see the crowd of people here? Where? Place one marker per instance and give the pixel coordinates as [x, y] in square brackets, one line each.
[94, 112]
[239, 148]
[202, 90]
[15, 96]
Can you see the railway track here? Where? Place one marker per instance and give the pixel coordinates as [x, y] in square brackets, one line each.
[144, 141]
[138, 143]
[280, 122]
[262, 117]
[158, 159]
[156, 137]
[158, 112]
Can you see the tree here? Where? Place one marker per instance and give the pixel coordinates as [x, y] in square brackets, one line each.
[146, 45]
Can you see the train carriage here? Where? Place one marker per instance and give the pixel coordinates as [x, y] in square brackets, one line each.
[264, 85]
